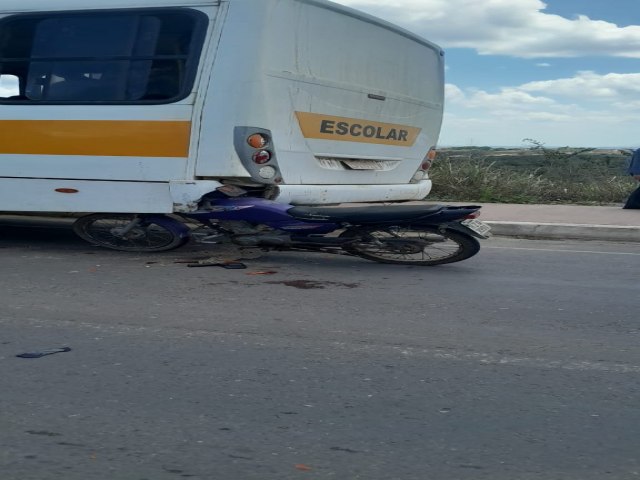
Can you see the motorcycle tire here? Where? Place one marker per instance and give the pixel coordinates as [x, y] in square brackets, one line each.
[101, 229]
[410, 245]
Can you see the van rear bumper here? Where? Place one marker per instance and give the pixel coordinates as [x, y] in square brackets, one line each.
[331, 194]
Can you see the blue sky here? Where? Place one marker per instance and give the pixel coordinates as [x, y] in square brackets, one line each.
[563, 72]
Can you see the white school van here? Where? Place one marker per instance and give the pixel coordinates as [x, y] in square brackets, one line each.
[144, 106]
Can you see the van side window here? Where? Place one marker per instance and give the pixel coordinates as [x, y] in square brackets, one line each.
[112, 57]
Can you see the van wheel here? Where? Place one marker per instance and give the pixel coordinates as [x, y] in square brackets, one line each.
[127, 232]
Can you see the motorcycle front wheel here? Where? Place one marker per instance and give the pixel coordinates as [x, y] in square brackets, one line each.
[117, 232]
[409, 245]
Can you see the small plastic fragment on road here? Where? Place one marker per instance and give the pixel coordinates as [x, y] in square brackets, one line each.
[303, 467]
[42, 353]
[342, 449]
[266, 272]
[311, 284]
[227, 265]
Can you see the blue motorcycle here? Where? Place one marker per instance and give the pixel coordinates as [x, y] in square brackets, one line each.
[399, 234]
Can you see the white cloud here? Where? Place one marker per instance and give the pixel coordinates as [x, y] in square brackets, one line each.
[627, 106]
[508, 101]
[512, 98]
[590, 85]
[506, 27]
[550, 117]
[454, 94]
[586, 110]
[609, 91]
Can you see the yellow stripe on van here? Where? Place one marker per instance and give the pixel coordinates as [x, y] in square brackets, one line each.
[326, 127]
[118, 138]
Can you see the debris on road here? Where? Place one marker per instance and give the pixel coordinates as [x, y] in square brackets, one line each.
[42, 353]
[313, 284]
[227, 265]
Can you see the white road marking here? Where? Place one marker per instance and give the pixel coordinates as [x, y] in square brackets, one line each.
[583, 365]
[561, 250]
[504, 360]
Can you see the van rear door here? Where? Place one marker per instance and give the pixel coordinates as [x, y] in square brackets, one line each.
[366, 96]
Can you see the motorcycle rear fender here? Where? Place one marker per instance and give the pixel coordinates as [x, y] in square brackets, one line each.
[448, 214]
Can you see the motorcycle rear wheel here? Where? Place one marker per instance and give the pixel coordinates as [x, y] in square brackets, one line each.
[104, 230]
[408, 245]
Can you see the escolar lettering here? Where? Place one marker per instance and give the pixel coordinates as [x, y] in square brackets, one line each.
[331, 127]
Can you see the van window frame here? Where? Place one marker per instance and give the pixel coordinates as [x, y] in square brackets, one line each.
[191, 58]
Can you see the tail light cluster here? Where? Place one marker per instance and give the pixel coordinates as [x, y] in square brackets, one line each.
[255, 149]
[258, 141]
[422, 172]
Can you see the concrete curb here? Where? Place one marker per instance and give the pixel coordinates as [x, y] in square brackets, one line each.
[609, 233]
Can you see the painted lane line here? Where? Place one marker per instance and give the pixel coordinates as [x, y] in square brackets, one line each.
[499, 360]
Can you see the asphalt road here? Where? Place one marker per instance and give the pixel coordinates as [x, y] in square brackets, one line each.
[520, 363]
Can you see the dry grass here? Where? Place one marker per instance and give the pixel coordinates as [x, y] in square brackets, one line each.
[482, 180]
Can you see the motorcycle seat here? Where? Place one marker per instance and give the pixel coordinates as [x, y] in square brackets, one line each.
[364, 215]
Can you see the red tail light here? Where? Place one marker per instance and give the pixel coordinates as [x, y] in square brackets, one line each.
[262, 157]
